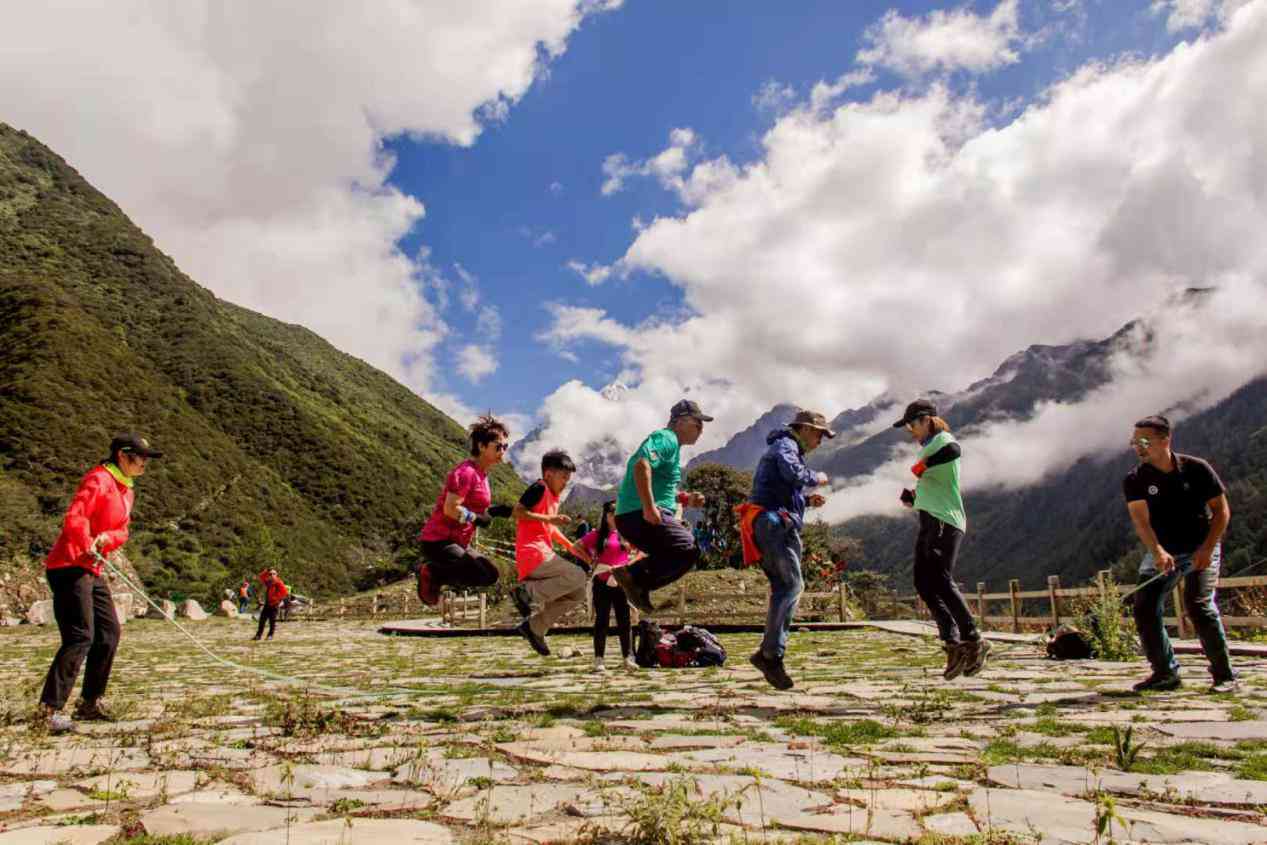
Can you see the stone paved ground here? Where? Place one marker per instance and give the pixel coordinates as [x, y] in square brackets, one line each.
[496, 745]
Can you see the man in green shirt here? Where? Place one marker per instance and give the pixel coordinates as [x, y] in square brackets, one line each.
[647, 503]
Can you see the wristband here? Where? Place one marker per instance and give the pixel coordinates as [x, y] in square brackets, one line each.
[465, 516]
[918, 469]
[683, 498]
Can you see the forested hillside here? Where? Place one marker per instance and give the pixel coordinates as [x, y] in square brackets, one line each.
[279, 447]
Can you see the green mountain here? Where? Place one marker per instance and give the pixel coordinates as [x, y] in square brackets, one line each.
[279, 447]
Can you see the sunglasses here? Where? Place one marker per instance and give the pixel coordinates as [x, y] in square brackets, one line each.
[501, 446]
[1141, 442]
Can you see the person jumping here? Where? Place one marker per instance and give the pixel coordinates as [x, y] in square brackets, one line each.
[646, 508]
[942, 523]
[553, 586]
[463, 505]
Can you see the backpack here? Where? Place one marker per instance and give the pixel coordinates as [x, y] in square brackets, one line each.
[705, 649]
[1068, 643]
[647, 637]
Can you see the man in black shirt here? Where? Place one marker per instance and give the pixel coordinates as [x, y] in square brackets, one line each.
[1179, 508]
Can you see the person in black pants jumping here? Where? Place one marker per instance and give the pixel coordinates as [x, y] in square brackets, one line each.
[463, 505]
[942, 523]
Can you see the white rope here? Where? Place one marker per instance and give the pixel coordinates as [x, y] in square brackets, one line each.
[274, 676]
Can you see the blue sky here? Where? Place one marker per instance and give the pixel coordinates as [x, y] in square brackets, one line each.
[625, 81]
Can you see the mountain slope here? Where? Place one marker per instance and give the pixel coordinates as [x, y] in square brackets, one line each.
[271, 433]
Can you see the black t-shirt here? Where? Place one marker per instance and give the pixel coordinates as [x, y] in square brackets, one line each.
[533, 494]
[1178, 501]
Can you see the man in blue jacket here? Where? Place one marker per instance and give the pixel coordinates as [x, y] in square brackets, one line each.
[778, 488]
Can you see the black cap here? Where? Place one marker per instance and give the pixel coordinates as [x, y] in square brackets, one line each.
[133, 444]
[688, 408]
[1156, 422]
[915, 410]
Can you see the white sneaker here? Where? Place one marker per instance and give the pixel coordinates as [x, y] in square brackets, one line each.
[60, 723]
[631, 664]
[599, 666]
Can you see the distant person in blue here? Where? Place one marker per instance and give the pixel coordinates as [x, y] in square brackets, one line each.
[1179, 508]
[779, 488]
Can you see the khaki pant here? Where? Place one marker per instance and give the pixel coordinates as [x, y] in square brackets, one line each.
[554, 588]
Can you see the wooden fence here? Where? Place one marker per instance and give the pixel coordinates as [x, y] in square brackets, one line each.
[1059, 609]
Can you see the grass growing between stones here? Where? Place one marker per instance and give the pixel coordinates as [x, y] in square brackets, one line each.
[838, 735]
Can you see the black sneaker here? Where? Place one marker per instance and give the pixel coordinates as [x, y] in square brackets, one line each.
[773, 670]
[91, 711]
[978, 652]
[1158, 682]
[523, 602]
[538, 644]
[637, 596]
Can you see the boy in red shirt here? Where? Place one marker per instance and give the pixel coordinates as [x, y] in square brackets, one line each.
[275, 593]
[554, 585]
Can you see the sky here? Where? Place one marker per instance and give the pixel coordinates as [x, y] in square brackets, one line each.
[510, 206]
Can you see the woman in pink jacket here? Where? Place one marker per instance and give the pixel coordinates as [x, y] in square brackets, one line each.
[96, 524]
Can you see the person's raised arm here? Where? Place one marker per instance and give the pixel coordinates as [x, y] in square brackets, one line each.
[1138, 509]
[1222, 514]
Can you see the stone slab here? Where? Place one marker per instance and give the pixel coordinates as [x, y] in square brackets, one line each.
[198, 819]
[950, 824]
[65, 760]
[143, 785]
[1216, 788]
[90, 834]
[350, 832]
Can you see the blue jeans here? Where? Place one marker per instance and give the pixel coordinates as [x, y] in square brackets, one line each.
[780, 546]
[1198, 600]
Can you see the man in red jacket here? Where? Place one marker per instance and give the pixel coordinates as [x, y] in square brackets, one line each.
[96, 524]
[275, 593]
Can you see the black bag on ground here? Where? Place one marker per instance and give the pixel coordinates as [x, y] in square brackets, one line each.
[1068, 643]
[646, 638]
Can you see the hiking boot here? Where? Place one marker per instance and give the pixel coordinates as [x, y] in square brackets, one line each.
[637, 596]
[91, 711]
[979, 651]
[59, 723]
[428, 590]
[773, 670]
[523, 602]
[1229, 686]
[538, 644]
[1159, 682]
[957, 657]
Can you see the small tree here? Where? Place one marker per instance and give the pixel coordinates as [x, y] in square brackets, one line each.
[723, 488]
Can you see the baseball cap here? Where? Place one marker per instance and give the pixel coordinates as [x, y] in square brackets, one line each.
[915, 410]
[813, 419]
[132, 443]
[688, 408]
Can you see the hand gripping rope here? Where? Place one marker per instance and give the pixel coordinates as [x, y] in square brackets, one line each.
[344, 692]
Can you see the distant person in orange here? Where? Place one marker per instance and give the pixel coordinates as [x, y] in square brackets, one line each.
[244, 595]
[275, 593]
[96, 524]
[462, 506]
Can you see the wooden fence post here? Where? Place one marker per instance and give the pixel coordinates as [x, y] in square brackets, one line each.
[1179, 617]
[1102, 584]
[483, 610]
[981, 603]
[844, 610]
[1014, 587]
[1053, 595]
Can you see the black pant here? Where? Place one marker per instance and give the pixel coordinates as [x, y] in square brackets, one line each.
[936, 549]
[86, 618]
[607, 598]
[267, 614]
[670, 548]
[457, 565]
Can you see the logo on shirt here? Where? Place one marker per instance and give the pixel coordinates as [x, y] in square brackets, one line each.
[1152, 490]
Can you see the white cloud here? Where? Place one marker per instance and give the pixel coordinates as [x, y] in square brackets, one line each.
[475, 362]
[667, 166]
[906, 242]
[944, 41]
[246, 139]
[774, 96]
[1185, 14]
[593, 274]
[826, 93]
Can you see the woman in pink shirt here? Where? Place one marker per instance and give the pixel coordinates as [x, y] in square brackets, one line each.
[607, 551]
[463, 506]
